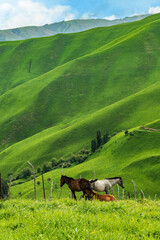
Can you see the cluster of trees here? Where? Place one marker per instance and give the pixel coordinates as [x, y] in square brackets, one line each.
[99, 140]
[74, 158]
[27, 173]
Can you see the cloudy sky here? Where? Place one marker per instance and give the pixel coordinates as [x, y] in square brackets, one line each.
[17, 13]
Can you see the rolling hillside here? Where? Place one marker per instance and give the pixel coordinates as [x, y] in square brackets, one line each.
[61, 27]
[56, 92]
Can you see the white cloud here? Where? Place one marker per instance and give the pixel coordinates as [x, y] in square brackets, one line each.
[88, 15]
[85, 16]
[154, 10]
[29, 13]
[113, 17]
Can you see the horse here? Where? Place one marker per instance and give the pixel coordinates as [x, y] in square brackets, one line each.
[105, 184]
[93, 195]
[74, 185]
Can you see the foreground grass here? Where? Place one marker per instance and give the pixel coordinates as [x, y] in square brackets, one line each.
[68, 219]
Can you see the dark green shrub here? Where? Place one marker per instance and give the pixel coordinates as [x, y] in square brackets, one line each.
[27, 172]
[93, 145]
[5, 188]
[67, 164]
[99, 139]
[46, 167]
[126, 132]
[54, 162]
[38, 169]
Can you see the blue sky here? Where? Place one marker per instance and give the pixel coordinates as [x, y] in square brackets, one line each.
[16, 13]
[103, 8]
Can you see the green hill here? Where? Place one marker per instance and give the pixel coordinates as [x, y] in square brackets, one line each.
[71, 26]
[56, 92]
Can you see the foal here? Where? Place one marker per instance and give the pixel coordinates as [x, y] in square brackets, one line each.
[93, 195]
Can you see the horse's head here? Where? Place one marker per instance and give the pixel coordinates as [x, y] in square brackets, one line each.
[62, 181]
[91, 183]
[121, 184]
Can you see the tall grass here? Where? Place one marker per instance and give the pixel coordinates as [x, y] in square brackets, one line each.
[68, 219]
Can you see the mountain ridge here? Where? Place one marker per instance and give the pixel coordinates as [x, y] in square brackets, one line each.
[71, 26]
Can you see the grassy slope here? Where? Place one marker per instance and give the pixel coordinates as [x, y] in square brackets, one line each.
[75, 99]
[134, 157]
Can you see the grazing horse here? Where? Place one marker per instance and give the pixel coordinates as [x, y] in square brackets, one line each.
[93, 195]
[105, 184]
[74, 184]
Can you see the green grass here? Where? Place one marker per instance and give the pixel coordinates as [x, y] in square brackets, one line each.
[56, 92]
[68, 219]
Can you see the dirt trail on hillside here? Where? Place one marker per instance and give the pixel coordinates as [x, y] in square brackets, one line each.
[151, 129]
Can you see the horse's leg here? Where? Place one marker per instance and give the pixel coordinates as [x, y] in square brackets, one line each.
[73, 195]
[84, 195]
[107, 191]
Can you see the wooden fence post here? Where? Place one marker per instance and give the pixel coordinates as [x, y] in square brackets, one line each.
[134, 186]
[0, 187]
[61, 187]
[44, 193]
[123, 194]
[142, 194]
[129, 195]
[112, 190]
[118, 191]
[94, 173]
[9, 192]
[82, 193]
[51, 191]
[155, 197]
[34, 176]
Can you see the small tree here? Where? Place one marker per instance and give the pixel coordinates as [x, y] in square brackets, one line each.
[53, 162]
[38, 169]
[38, 182]
[93, 145]
[99, 139]
[46, 167]
[5, 188]
[126, 132]
[106, 138]
[26, 172]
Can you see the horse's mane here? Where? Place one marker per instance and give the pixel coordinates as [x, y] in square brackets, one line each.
[68, 177]
[113, 178]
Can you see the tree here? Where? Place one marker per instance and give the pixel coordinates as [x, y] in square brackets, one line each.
[54, 162]
[99, 139]
[26, 172]
[46, 167]
[93, 145]
[5, 188]
[38, 169]
[105, 138]
[126, 132]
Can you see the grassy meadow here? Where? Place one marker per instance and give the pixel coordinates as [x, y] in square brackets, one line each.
[68, 219]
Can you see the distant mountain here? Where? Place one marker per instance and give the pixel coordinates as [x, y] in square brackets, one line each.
[62, 27]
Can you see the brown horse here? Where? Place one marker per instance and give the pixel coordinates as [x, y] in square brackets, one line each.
[75, 185]
[93, 195]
